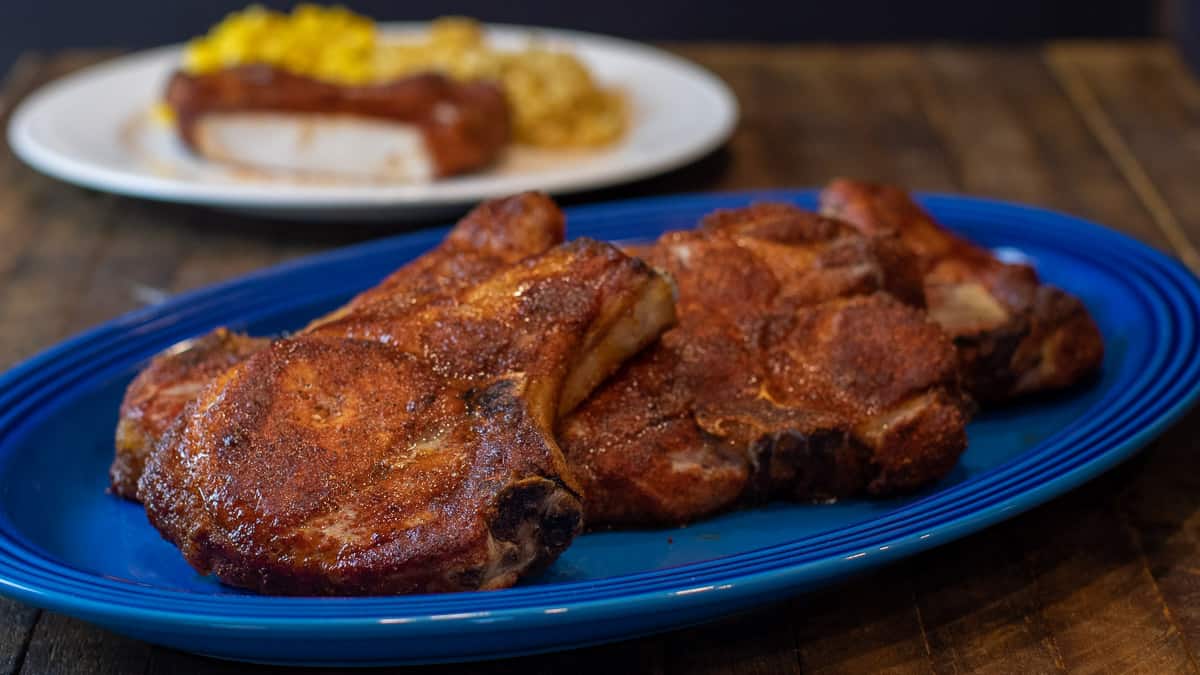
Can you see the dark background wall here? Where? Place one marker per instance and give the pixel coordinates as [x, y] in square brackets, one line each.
[53, 24]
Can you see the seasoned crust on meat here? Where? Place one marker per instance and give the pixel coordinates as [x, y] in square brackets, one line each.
[159, 393]
[425, 462]
[1015, 335]
[495, 235]
[793, 372]
[464, 126]
[882, 258]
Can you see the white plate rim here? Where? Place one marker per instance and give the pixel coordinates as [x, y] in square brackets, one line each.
[85, 173]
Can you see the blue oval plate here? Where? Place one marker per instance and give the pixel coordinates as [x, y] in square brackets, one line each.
[67, 545]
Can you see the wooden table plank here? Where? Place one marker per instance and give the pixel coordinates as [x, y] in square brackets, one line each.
[758, 643]
[1015, 136]
[26, 74]
[1099, 600]
[65, 645]
[1140, 101]
[981, 614]
[1145, 105]
[63, 265]
[1162, 508]
[1103, 579]
[634, 656]
[814, 113]
[16, 628]
[872, 624]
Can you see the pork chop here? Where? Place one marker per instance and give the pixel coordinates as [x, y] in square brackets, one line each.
[1015, 335]
[414, 129]
[423, 463]
[494, 235]
[161, 391]
[794, 371]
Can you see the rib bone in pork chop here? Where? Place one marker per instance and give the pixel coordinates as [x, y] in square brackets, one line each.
[1015, 335]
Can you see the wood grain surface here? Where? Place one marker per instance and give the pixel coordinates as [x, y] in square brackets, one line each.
[1105, 579]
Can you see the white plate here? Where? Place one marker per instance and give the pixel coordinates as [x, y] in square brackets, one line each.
[93, 128]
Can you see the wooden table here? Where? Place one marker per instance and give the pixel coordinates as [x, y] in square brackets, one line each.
[1105, 579]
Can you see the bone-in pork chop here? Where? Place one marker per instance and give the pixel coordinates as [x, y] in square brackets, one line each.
[423, 463]
[1015, 334]
[160, 392]
[496, 234]
[409, 130]
[794, 372]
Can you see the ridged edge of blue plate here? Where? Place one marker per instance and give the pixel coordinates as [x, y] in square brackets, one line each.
[1130, 415]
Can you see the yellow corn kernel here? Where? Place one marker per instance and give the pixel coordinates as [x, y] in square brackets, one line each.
[162, 114]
